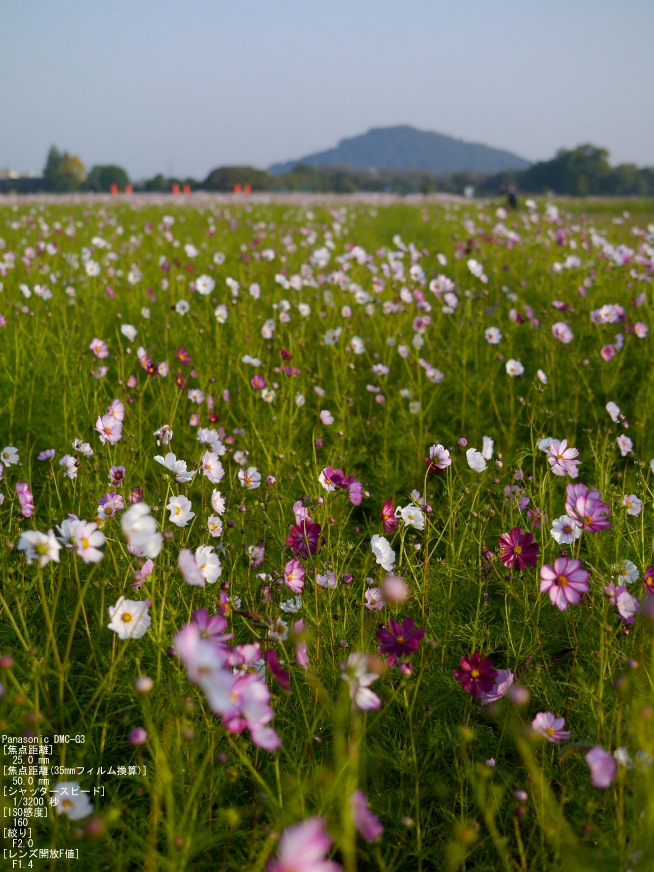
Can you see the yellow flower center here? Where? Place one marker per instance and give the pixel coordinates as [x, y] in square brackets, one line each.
[178, 511]
[66, 803]
[475, 673]
[562, 581]
[126, 617]
[588, 519]
[108, 510]
[85, 543]
[550, 731]
[517, 550]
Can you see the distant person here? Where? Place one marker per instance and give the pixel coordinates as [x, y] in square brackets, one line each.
[512, 198]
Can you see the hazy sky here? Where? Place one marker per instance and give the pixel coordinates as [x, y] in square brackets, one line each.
[184, 87]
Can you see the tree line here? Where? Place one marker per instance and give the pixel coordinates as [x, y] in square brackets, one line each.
[582, 171]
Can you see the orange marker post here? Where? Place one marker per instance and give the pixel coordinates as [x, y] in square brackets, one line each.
[175, 188]
[248, 189]
[237, 188]
[114, 190]
[128, 189]
[187, 189]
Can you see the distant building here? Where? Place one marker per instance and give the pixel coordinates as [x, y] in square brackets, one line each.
[15, 182]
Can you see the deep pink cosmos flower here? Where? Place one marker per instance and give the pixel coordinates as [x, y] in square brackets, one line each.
[586, 508]
[388, 517]
[183, 356]
[561, 458]
[399, 640]
[608, 352]
[212, 628]
[565, 582]
[648, 581]
[281, 676]
[476, 676]
[303, 539]
[518, 550]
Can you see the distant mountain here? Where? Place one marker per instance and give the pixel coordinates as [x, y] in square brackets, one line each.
[405, 148]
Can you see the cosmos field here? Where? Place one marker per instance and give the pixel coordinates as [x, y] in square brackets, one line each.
[327, 523]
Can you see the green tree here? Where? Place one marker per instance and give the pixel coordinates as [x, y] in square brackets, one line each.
[63, 172]
[101, 178]
[224, 179]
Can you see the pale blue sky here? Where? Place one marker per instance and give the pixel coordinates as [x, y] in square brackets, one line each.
[188, 86]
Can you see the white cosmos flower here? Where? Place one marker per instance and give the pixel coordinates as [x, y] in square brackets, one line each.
[177, 467]
[129, 331]
[215, 526]
[39, 547]
[487, 448]
[204, 285]
[633, 504]
[250, 478]
[628, 572]
[218, 502]
[514, 367]
[299, 399]
[180, 511]
[130, 619]
[357, 344]
[475, 460]
[412, 517]
[384, 554]
[140, 530]
[542, 376]
[71, 800]
[613, 411]
[564, 530]
[182, 307]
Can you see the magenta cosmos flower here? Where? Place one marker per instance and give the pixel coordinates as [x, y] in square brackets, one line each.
[303, 539]
[561, 458]
[648, 581]
[518, 550]
[476, 676]
[550, 727]
[399, 641]
[586, 508]
[388, 517]
[302, 848]
[565, 582]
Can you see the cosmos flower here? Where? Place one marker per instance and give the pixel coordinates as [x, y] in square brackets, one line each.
[130, 619]
[625, 444]
[632, 504]
[109, 428]
[562, 458]
[551, 727]
[565, 581]
[399, 640]
[250, 478]
[514, 368]
[180, 511]
[439, 458]
[603, 767]
[475, 460]
[302, 848]
[476, 675]
[303, 539]
[87, 540]
[586, 508]
[71, 800]
[565, 530]
[294, 575]
[367, 824]
[359, 676]
[503, 681]
[518, 550]
[388, 517]
[39, 547]
[384, 554]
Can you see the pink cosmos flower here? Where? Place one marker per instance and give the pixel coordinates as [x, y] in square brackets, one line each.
[566, 582]
[212, 467]
[476, 676]
[518, 550]
[648, 581]
[625, 444]
[302, 848]
[109, 504]
[117, 474]
[388, 517]
[586, 508]
[551, 727]
[367, 824]
[562, 332]
[439, 458]
[374, 599]
[109, 428]
[99, 348]
[608, 352]
[301, 513]
[258, 382]
[326, 417]
[212, 628]
[561, 458]
[602, 765]
[503, 681]
[294, 575]
[626, 604]
[48, 454]
[281, 676]
[25, 499]
[88, 539]
[641, 330]
[117, 410]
